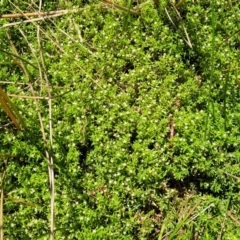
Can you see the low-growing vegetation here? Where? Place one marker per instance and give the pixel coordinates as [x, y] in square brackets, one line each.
[120, 120]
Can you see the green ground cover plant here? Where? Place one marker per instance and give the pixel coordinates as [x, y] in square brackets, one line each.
[132, 120]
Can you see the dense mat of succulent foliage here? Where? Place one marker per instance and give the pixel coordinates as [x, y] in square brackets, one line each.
[119, 172]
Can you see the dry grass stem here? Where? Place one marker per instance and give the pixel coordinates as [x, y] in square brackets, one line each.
[50, 151]
[37, 14]
[29, 21]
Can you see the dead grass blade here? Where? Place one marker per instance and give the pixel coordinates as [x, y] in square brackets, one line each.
[16, 112]
[6, 103]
